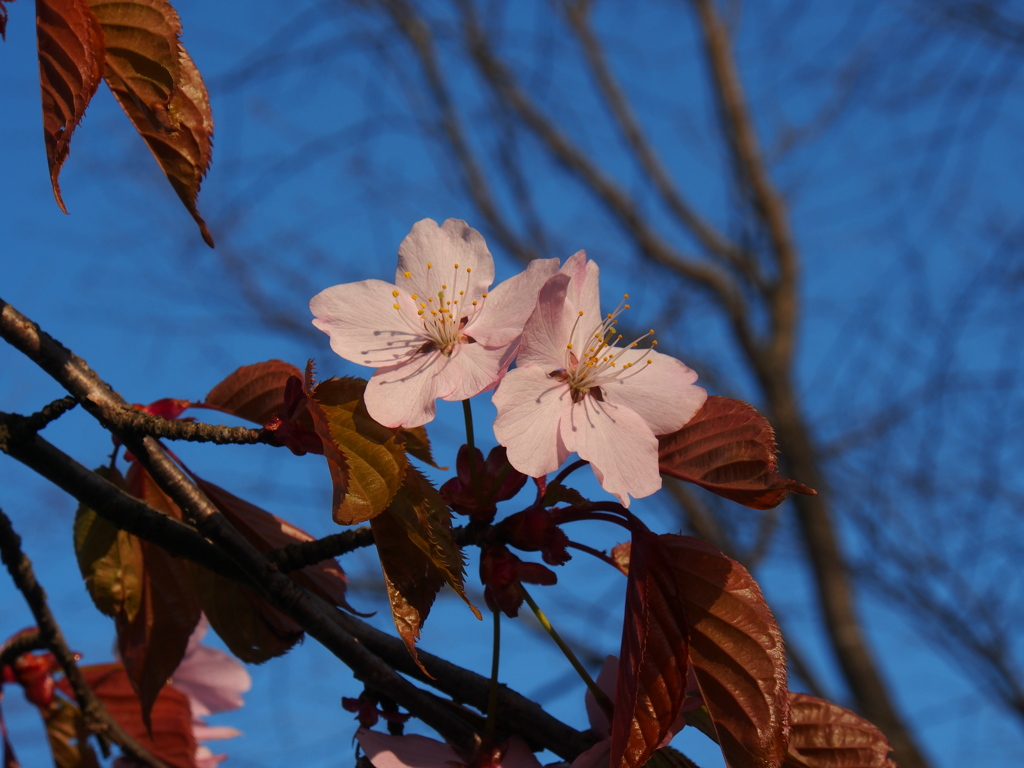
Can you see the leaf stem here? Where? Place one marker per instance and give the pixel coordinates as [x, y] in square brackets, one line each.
[602, 699]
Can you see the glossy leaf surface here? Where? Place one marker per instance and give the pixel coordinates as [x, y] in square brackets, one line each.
[158, 86]
[736, 651]
[367, 460]
[729, 449]
[825, 735]
[71, 62]
[651, 682]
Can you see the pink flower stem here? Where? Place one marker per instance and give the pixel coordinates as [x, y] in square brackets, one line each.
[492, 693]
[467, 414]
[598, 694]
[594, 552]
[560, 477]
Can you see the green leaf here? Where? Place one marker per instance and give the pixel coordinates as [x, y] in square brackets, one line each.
[418, 555]
[367, 460]
[110, 559]
[729, 449]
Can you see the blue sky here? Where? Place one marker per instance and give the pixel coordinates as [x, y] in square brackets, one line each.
[315, 180]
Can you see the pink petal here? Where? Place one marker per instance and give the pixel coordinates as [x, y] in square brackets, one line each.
[530, 406]
[508, 305]
[206, 759]
[584, 292]
[619, 446]
[364, 325]
[662, 393]
[547, 332]
[454, 242]
[606, 680]
[519, 755]
[411, 751]
[204, 732]
[598, 756]
[213, 680]
[472, 369]
[403, 395]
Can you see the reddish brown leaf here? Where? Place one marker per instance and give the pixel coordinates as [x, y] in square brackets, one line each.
[827, 736]
[736, 651]
[651, 682]
[153, 642]
[367, 460]
[161, 91]
[417, 444]
[267, 532]
[252, 629]
[3, 33]
[253, 392]
[171, 738]
[68, 736]
[728, 448]
[70, 67]
[417, 554]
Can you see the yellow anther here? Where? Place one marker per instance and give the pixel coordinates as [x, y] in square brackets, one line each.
[625, 295]
[569, 345]
[484, 295]
[429, 265]
[469, 269]
[407, 274]
[654, 343]
[474, 303]
[395, 294]
[581, 313]
[456, 266]
[649, 361]
[626, 307]
[396, 306]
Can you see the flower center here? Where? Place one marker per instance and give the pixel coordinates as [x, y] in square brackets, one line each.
[595, 360]
[444, 311]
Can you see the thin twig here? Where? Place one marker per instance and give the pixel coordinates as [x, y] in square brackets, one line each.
[97, 719]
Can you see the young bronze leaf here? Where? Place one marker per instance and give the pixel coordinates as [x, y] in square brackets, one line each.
[70, 67]
[266, 532]
[153, 643]
[252, 629]
[736, 652]
[417, 444]
[367, 460]
[417, 554]
[253, 392]
[110, 559]
[651, 682]
[171, 737]
[159, 88]
[824, 735]
[68, 736]
[729, 449]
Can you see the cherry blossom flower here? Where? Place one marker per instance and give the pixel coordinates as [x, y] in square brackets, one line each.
[214, 682]
[438, 331]
[577, 388]
[412, 751]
